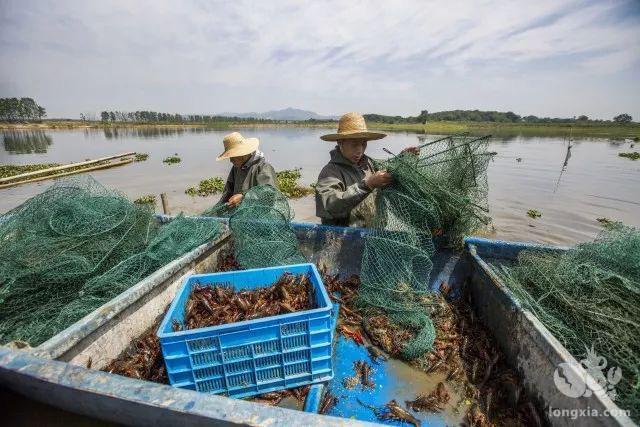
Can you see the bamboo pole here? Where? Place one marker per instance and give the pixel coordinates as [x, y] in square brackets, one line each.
[62, 167]
[59, 175]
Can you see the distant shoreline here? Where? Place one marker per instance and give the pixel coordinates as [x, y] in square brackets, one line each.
[481, 128]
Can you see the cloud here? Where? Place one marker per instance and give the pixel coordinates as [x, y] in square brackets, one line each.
[394, 57]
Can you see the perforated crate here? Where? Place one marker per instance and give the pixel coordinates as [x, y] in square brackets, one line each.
[255, 356]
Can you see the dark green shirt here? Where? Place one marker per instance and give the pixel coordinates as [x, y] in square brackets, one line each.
[255, 171]
[341, 188]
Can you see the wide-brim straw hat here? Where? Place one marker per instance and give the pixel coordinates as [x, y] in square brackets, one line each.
[352, 126]
[235, 145]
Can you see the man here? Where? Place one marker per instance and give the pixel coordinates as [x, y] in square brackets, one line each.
[249, 168]
[349, 177]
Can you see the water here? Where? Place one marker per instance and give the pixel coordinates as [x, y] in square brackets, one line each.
[596, 182]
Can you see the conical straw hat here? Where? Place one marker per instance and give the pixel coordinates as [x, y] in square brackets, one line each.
[352, 126]
[236, 145]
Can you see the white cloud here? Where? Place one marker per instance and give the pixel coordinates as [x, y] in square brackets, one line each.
[331, 56]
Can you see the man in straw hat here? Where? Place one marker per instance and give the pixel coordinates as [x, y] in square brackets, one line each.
[349, 177]
[249, 168]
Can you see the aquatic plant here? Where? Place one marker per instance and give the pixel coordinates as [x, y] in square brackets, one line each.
[11, 170]
[141, 157]
[609, 223]
[206, 187]
[533, 213]
[147, 199]
[287, 181]
[633, 155]
[172, 159]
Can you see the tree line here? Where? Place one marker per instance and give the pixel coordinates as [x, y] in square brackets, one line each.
[486, 116]
[20, 109]
[157, 117]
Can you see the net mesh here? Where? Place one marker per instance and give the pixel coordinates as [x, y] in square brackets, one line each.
[442, 190]
[589, 298]
[70, 249]
[262, 231]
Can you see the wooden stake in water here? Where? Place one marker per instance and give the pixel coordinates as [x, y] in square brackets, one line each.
[165, 203]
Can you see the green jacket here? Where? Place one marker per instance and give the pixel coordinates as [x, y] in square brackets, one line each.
[341, 188]
[255, 171]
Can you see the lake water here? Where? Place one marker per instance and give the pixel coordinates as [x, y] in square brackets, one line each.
[595, 183]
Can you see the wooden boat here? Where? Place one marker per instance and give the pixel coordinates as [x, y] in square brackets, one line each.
[56, 373]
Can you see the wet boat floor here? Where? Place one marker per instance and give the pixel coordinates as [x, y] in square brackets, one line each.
[392, 379]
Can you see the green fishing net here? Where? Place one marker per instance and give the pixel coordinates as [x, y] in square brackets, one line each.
[589, 298]
[72, 248]
[262, 231]
[441, 191]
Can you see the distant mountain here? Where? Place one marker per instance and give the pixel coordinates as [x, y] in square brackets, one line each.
[286, 114]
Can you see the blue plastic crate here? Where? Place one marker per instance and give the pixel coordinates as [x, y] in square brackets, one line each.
[254, 356]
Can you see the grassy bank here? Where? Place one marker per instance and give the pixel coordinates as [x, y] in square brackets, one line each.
[527, 129]
[443, 128]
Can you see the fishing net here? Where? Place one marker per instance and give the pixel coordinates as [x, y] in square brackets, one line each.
[442, 190]
[219, 210]
[72, 248]
[262, 232]
[589, 298]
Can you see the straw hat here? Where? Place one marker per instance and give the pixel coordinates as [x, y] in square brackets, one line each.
[352, 126]
[236, 145]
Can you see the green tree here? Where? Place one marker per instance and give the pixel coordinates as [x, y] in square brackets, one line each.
[623, 118]
[104, 116]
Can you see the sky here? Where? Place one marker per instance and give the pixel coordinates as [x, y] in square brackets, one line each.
[558, 58]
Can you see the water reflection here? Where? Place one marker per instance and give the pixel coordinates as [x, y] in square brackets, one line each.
[149, 132]
[26, 142]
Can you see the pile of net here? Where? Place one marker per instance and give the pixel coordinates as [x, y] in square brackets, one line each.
[72, 248]
[589, 298]
[441, 191]
[262, 231]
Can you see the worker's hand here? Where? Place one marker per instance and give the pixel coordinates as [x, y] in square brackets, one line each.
[378, 179]
[412, 150]
[235, 200]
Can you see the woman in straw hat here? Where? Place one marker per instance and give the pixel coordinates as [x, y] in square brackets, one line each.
[349, 177]
[249, 168]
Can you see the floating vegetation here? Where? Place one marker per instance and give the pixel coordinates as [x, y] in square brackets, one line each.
[609, 223]
[171, 160]
[147, 199]
[589, 298]
[141, 157]
[287, 181]
[206, 187]
[533, 213]
[633, 155]
[218, 305]
[11, 170]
